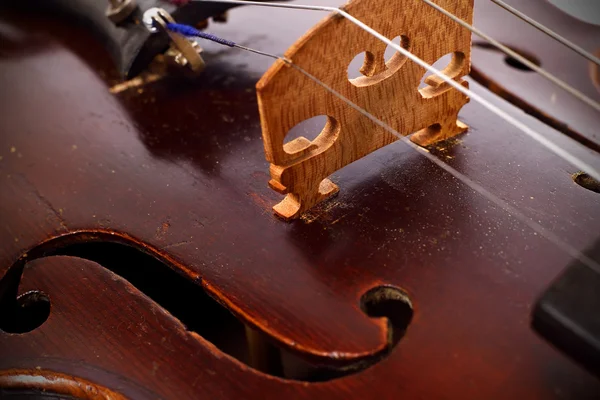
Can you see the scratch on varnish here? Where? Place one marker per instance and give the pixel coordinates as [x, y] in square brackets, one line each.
[162, 230]
[177, 244]
[42, 199]
[322, 212]
[444, 148]
[263, 203]
[339, 219]
[155, 367]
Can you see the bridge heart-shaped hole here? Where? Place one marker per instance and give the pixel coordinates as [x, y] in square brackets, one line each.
[365, 69]
[361, 65]
[451, 65]
[318, 131]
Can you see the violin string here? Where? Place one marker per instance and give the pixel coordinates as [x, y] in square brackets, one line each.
[553, 147]
[505, 49]
[476, 187]
[510, 52]
[561, 39]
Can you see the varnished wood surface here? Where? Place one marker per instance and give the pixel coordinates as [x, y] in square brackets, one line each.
[548, 102]
[177, 169]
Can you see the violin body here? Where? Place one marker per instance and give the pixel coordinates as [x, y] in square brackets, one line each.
[141, 258]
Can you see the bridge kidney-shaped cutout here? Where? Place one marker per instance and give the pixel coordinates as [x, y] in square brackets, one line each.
[316, 132]
[451, 65]
[373, 70]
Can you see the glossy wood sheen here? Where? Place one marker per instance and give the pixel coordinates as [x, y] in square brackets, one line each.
[531, 91]
[177, 169]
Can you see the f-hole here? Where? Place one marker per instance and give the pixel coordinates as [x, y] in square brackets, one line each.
[183, 299]
[392, 303]
[586, 181]
[384, 301]
[451, 65]
[33, 309]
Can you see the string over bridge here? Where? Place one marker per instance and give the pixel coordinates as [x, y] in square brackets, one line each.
[388, 90]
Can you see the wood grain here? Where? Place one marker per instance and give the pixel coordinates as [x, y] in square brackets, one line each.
[177, 170]
[388, 90]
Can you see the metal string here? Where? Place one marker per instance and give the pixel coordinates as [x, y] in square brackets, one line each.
[552, 78]
[507, 50]
[514, 212]
[556, 149]
[548, 32]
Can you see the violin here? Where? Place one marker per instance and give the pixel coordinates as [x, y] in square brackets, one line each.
[307, 219]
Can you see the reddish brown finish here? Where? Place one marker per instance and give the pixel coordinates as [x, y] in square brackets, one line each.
[528, 90]
[178, 170]
[55, 383]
